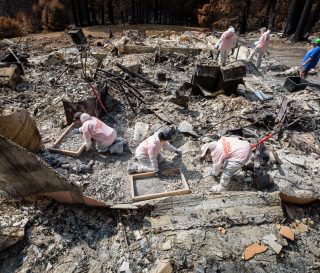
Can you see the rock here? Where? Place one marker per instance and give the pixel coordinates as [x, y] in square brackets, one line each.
[135, 67]
[12, 222]
[186, 127]
[313, 249]
[163, 267]
[206, 139]
[253, 250]
[55, 59]
[167, 245]
[271, 241]
[65, 166]
[300, 161]
[222, 230]
[125, 267]
[297, 182]
[300, 227]
[137, 235]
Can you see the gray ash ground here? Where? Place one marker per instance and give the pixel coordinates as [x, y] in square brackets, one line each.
[74, 239]
[162, 184]
[71, 142]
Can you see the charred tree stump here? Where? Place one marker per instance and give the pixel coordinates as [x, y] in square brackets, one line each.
[298, 35]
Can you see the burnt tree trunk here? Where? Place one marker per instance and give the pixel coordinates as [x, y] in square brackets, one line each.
[293, 17]
[272, 13]
[86, 12]
[78, 9]
[94, 15]
[102, 12]
[313, 18]
[111, 12]
[132, 20]
[298, 35]
[74, 13]
[244, 17]
[156, 11]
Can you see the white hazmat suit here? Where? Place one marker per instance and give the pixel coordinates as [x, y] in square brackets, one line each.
[229, 154]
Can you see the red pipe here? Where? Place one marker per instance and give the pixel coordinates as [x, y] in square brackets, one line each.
[96, 95]
[254, 146]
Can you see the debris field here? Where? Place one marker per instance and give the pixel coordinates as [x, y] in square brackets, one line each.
[267, 222]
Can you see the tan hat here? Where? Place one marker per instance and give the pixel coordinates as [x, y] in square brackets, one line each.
[208, 146]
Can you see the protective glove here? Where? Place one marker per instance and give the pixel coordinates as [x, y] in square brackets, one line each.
[178, 153]
[75, 131]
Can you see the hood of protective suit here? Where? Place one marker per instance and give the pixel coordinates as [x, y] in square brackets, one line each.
[208, 146]
[84, 117]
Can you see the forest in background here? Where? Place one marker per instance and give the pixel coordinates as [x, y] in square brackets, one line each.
[295, 18]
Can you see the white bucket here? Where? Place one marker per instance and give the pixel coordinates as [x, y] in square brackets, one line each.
[140, 131]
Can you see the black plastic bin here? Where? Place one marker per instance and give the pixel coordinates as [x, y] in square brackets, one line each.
[77, 36]
[293, 84]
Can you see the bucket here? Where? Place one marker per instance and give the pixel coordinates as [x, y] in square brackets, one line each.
[140, 131]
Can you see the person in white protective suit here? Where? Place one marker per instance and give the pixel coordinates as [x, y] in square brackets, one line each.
[229, 154]
[148, 151]
[227, 41]
[105, 137]
[261, 47]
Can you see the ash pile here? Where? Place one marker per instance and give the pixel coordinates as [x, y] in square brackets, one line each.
[268, 218]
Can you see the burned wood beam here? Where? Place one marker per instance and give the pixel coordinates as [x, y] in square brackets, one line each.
[20, 64]
[124, 81]
[283, 110]
[134, 74]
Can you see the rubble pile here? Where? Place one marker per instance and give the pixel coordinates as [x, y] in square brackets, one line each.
[165, 79]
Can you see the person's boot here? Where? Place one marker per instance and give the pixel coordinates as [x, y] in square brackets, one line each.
[120, 139]
[218, 188]
[161, 159]
[132, 168]
[116, 148]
